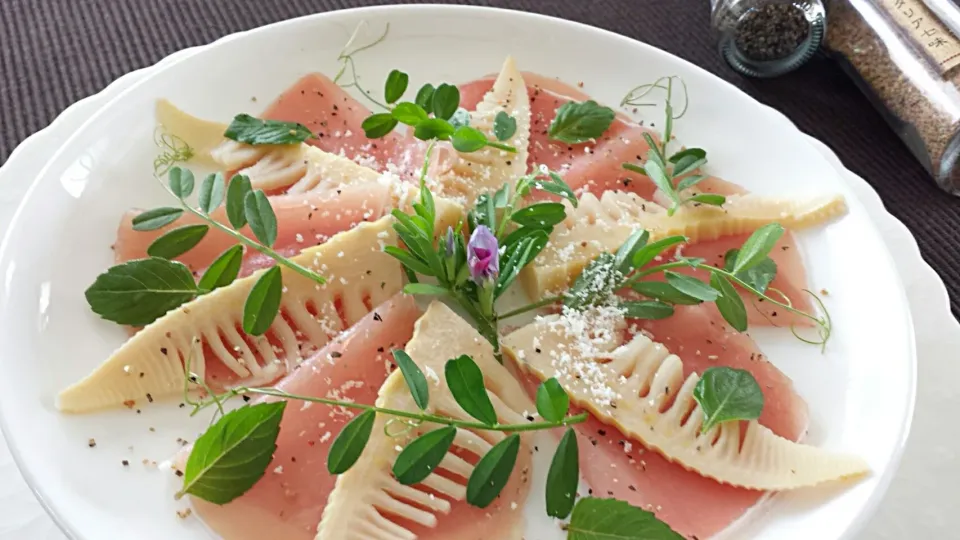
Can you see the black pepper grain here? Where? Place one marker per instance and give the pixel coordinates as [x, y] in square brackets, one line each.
[771, 32]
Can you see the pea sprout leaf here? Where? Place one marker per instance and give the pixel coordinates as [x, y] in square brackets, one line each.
[688, 182]
[446, 99]
[691, 286]
[563, 476]
[468, 139]
[708, 198]
[416, 382]
[623, 260]
[141, 291]
[254, 131]
[156, 218]
[211, 192]
[465, 381]
[757, 247]
[646, 309]
[349, 444]
[237, 192]
[728, 394]
[540, 215]
[433, 128]
[663, 291]
[408, 113]
[378, 125]
[395, 86]
[422, 455]
[613, 519]
[263, 302]
[504, 126]
[649, 252]
[425, 97]
[729, 303]
[759, 276]
[177, 241]
[552, 402]
[580, 122]
[181, 182]
[492, 472]
[260, 216]
[224, 270]
[233, 454]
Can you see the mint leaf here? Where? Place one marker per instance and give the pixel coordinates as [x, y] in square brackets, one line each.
[504, 126]
[563, 476]
[395, 86]
[414, 378]
[157, 218]
[580, 122]
[552, 402]
[263, 302]
[177, 241]
[254, 131]
[349, 444]
[233, 454]
[224, 270]
[465, 381]
[141, 291]
[728, 394]
[493, 471]
[421, 457]
[612, 519]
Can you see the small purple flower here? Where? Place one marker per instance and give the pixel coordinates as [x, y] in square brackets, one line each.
[483, 255]
[449, 243]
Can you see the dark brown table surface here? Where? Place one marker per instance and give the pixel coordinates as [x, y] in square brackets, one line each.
[54, 52]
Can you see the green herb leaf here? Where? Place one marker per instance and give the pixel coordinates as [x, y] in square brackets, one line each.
[433, 128]
[690, 181]
[493, 471]
[468, 139]
[378, 125]
[233, 454]
[408, 113]
[646, 309]
[634, 168]
[156, 218]
[648, 253]
[659, 177]
[465, 381]
[263, 302]
[260, 216]
[729, 303]
[425, 97]
[708, 198]
[612, 519]
[688, 153]
[554, 185]
[446, 99]
[563, 477]
[349, 444]
[254, 131]
[422, 455]
[691, 286]
[504, 126]
[552, 402]
[425, 289]
[653, 152]
[540, 215]
[520, 254]
[727, 394]
[224, 270]
[414, 377]
[687, 164]
[758, 246]
[395, 86]
[141, 291]
[759, 276]
[211, 192]
[659, 290]
[408, 260]
[598, 280]
[181, 181]
[177, 241]
[623, 260]
[460, 118]
[237, 192]
[580, 122]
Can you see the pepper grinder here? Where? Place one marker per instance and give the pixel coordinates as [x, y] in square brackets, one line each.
[767, 38]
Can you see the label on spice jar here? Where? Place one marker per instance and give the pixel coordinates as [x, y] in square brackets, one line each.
[926, 30]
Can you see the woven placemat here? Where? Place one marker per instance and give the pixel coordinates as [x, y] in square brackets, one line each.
[54, 52]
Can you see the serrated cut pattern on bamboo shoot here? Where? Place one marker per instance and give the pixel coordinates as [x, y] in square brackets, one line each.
[359, 276]
[602, 225]
[368, 503]
[647, 398]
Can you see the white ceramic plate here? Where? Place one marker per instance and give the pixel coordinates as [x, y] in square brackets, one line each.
[860, 392]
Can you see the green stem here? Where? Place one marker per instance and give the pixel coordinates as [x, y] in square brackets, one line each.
[530, 307]
[504, 147]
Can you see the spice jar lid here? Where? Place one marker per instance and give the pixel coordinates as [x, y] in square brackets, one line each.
[768, 38]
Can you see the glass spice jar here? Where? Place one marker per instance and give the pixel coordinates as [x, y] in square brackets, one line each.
[904, 55]
[767, 38]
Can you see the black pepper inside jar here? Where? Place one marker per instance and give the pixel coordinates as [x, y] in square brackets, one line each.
[767, 38]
